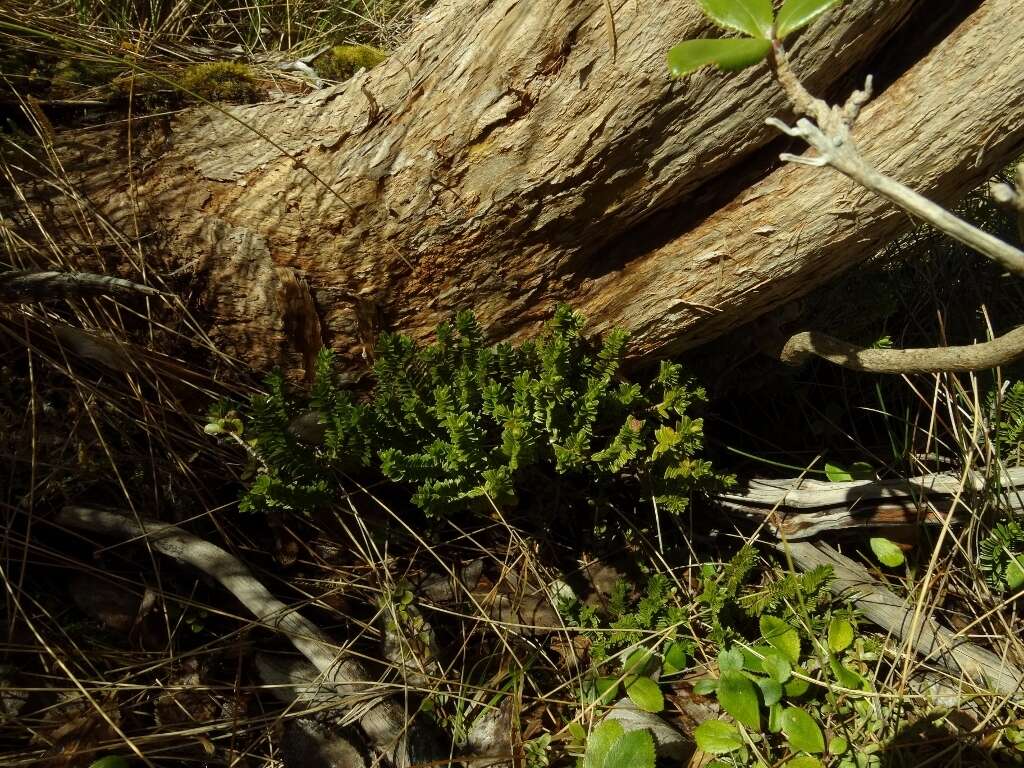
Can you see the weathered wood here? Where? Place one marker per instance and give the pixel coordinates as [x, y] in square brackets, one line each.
[505, 159]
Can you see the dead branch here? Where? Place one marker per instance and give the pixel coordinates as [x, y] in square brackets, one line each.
[1001, 350]
[385, 723]
[800, 508]
[828, 129]
[22, 286]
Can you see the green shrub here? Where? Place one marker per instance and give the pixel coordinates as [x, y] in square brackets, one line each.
[343, 61]
[221, 81]
[462, 424]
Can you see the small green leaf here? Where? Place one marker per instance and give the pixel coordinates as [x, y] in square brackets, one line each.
[795, 14]
[837, 474]
[636, 662]
[801, 731]
[705, 686]
[752, 658]
[634, 749]
[606, 689]
[730, 660]
[887, 552]
[1015, 573]
[600, 743]
[796, 686]
[840, 634]
[728, 54]
[771, 691]
[776, 666]
[775, 718]
[717, 737]
[780, 635]
[738, 697]
[752, 17]
[838, 745]
[845, 676]
[675, 659]
[578, 732]
[645, 693]
[110, 761]
[802, 761]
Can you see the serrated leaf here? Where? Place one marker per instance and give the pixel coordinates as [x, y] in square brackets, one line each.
[645, 693]
[795, 14]
[887, 552]
[605, 689]
[771, 691]
[634, 749]
[801, 731]
[600, 743]
[751, 17]
[752, 658]
[840, 634]
[730, 660]
[780, 635]
[776, 665]
[717, 737]
[728, 54]
[738, 696]
[675, 659]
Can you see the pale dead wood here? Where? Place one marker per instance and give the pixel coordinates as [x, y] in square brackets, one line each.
[800, 508]
[386, 724]
[977, 667]
[24, 286]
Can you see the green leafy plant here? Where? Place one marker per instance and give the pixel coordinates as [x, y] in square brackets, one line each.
[1007, 420]
[612, 746]
[755, 20]
[1001, 556]
[463, 424]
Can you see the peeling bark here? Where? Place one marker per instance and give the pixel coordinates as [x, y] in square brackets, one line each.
[507, 158]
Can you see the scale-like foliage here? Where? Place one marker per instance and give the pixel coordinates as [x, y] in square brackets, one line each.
[460, 422]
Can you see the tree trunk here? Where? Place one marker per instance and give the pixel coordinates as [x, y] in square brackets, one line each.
[514, 154]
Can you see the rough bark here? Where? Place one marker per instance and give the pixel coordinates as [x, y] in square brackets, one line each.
[508, 157]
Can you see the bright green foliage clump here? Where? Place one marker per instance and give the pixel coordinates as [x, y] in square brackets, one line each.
[343, 61]
[221, 81]
[464, 424]
[1001, 556]
[1007, 416]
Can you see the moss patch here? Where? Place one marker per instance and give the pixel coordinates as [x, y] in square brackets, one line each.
[221, 81]
[343, 61]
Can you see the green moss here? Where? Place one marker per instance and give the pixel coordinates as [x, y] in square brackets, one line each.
[221, 81]
[343, 61]
[74, 77]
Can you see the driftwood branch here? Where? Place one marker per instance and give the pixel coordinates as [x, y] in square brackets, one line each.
[800, 508]
[828, 129]
[384, 721]
[1001, 350]
[22, 286]
[977, 666]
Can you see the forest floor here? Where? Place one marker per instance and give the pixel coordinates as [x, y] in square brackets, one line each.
[650, 593]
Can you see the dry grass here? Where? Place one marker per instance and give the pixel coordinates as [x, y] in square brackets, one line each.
[110, 648]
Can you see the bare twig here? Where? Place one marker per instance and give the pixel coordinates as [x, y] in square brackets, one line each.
[971, 357]
[385, 723]
[828, 130]
[24, 286]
